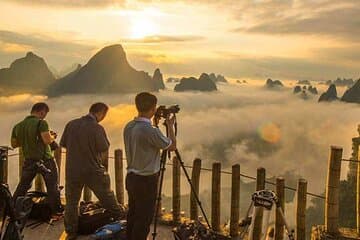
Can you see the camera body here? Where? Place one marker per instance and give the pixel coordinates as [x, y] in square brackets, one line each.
[54, 145]
[163, 112]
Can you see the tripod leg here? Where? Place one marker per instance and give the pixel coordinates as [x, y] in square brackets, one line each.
[254, 214]
[289, 232]
[265, 226]
[192, 187]
[158, 200]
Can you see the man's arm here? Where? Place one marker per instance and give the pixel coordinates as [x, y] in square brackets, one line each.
[63, 140]
[101, 141]
[14, 142]
[45, 133]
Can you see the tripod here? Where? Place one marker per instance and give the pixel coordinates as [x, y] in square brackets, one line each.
[263, 199]
[164, 154]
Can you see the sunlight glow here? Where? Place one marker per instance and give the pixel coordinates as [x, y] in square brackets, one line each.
[143, 27]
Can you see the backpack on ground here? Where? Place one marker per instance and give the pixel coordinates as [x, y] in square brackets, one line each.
[196, 230]
[41, 210]
[93, 216]
[14, 215]
[112, 231]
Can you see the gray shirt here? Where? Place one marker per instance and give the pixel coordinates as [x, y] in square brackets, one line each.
[84, 140]
[142, 146]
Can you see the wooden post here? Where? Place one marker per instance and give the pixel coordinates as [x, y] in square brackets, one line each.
[58, 157]
[260, 185]
[301, 210]
[279, 223]
[21, 161]
[358, 195]
[332, 191]
[4, 158]
[87, 195]
[195, 180]
[215, 196]
[176, 191]
[119, 176]
[39, 183]
[235, 201]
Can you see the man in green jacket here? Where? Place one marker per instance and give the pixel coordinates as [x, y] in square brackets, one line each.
[33, 135]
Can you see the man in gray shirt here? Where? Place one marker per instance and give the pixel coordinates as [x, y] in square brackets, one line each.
[85, 140]
[143, 143]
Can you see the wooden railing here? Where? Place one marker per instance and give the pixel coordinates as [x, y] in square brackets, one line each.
[331, 200]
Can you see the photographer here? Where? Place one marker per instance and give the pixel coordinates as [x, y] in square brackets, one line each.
[143, 143]
[34, 137]
[85, 140]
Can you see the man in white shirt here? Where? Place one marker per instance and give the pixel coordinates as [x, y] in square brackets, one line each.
[143, 143]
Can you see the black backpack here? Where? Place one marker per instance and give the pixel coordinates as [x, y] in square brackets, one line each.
[14, 216]
[41, 210]
[93, 216]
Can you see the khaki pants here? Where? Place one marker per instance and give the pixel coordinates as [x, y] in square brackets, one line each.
[99, 183]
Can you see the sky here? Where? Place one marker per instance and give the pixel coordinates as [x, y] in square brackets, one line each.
[247, 39]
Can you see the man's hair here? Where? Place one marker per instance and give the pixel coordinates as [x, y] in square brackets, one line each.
[40, 106]
[98, 107]
[145, 101]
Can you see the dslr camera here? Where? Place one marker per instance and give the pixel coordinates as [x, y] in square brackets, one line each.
[163, 111]
[54, 145]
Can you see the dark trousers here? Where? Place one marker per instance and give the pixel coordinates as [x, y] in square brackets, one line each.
[99, 183]
[142, 191]
[29, 171]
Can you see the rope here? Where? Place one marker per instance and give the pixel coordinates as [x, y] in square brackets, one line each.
[350, 160]
[230, 173]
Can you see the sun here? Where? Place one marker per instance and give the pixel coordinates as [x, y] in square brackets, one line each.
[143, 27]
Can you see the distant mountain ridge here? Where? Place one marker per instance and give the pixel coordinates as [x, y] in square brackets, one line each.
[204, 83]
[28, 74]
[108, 71]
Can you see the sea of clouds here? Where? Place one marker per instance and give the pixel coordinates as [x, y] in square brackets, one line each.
[240, 124]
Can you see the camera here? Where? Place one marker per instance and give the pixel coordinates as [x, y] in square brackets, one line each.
[54, 145]
[163, 111]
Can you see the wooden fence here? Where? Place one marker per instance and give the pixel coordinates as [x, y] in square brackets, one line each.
[331, 200]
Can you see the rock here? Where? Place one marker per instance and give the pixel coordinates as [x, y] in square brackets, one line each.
[313, 90]
[29, 74]
[352, 95]
[108, 71]
[341, 82]
[297, 89]
[329, 95]
[218, 78]
[212, 76]
[158, 79]
[271, 84]
[204, 83]
[221, 78]
[304, 82]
